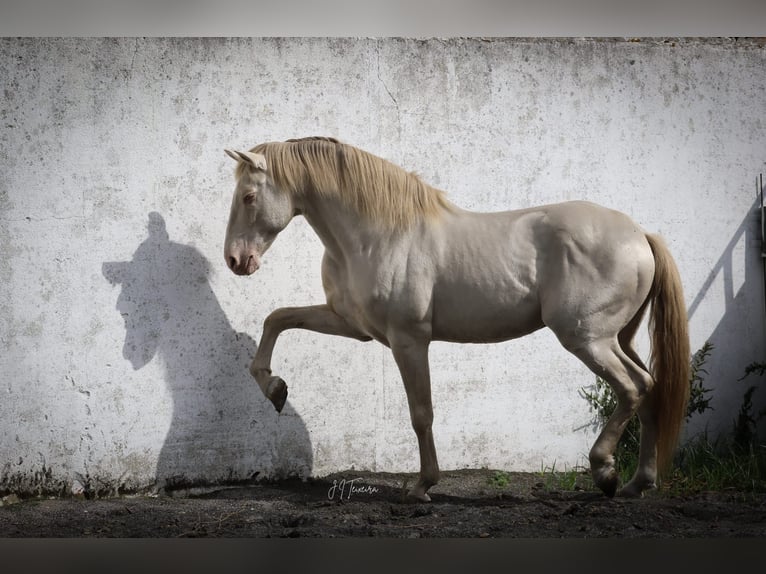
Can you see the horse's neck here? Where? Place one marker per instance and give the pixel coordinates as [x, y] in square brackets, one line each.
[338, 227]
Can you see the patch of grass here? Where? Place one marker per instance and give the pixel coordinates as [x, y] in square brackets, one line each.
[575, 478]
[718, 464]
[499, 479]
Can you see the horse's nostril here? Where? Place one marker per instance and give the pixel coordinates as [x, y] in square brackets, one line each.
[232, 261]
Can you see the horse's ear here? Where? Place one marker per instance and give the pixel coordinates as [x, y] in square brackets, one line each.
[257, 160]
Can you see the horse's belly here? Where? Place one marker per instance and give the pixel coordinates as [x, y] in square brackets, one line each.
[474, 318]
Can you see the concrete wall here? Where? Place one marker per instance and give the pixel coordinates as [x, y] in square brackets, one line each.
[124, 340]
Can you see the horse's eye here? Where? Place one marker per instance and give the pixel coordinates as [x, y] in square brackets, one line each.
[249, 199]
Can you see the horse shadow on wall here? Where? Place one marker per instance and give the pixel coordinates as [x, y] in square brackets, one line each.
[222, 430]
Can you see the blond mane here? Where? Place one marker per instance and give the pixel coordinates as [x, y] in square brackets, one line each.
[373, 186]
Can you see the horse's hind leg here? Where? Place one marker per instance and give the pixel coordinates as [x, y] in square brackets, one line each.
[412, 359]
[645, 477]
[319, 318]
[607, 359]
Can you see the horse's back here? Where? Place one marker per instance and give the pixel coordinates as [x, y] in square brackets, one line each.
[589, 221]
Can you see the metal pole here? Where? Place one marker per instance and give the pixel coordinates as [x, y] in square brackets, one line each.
[759, 183]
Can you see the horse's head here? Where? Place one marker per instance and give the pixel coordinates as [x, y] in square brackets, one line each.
[259, 211]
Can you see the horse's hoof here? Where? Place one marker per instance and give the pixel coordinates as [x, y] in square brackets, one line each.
[419, 492]
[276, 392]
[607, 482]
[416, 496]
[629, 493]
[634, 490]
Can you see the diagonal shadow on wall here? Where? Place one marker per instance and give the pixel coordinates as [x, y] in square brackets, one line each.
[222, 428]
[734, 338]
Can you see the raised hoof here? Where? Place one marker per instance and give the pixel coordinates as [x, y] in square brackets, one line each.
[276, 392]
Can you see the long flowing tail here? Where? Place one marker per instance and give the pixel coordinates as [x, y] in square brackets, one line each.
[670, 357]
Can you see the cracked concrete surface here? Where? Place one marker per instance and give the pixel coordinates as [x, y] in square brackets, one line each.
[125, 340]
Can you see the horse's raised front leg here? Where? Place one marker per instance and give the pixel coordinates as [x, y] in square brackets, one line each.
[412, 359]
[319, 318]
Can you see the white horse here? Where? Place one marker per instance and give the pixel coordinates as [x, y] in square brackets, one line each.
[405, 267]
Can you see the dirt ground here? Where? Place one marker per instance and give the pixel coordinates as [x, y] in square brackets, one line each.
[465, 504]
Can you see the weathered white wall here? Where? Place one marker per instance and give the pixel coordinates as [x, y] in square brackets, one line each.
[125, 340]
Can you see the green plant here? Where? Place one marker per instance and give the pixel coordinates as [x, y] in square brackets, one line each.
[735, 461]
[575, 478]
[500, 479]
[706, 463]
[699, 402]
[746, 423]
[758, 369]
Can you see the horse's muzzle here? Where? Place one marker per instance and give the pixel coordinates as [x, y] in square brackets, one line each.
[244, 266]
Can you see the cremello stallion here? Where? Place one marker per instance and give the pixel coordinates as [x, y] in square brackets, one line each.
[405, 267]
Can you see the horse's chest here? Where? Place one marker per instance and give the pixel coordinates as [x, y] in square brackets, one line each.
[366, 314]
[371, 297]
